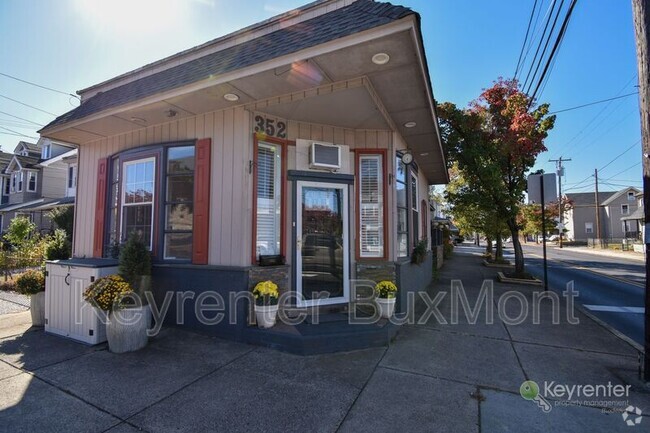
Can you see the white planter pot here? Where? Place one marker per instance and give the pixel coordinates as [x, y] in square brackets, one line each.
[126, 330]
[266, 315]
[37, 308]
[386, 307]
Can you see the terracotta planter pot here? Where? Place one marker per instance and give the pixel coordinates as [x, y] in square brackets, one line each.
[126, 330]
[266, 315]
[386, 307]
[37, 308]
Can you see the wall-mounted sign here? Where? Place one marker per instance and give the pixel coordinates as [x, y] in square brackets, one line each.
[270, 127]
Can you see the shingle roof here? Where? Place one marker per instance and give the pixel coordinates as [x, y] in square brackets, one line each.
[618, 194]
[357, 17]
[589, 198]
[27, 161]
[638, 214]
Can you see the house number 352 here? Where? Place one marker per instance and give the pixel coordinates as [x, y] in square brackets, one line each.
[270, 127]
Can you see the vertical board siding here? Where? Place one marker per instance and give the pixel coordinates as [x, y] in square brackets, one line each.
[230, 130]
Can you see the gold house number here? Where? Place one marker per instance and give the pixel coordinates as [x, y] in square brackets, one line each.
[270, 127]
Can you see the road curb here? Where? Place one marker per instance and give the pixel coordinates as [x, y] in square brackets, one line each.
[610, 328]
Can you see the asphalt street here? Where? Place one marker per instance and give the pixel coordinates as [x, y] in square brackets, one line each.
[610, 288]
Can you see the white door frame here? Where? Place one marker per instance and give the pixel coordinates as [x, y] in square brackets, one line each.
[346, 244]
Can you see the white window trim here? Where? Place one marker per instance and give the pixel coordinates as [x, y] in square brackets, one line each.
[74, 176]
[589, 228]
[415, 206]
[35, 174]
[20, 181]
[625, 212]
[277, 188]
[123, 193]
[47, 151]
[380, 182]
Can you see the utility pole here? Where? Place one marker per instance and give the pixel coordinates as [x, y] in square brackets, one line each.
[597, 210]
[560, 205]
[641, 16]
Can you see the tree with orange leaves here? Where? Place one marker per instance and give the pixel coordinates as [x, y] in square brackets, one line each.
[495, 143]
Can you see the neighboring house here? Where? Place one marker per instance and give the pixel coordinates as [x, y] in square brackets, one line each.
[36, 179]
[282, 142]
[5, 159]
[634, 223]
[581, 218]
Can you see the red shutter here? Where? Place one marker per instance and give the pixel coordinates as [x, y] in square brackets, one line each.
[201, 237]
[100, 208]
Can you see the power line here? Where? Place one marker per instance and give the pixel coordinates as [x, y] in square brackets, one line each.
[620, 154]
[38, 85]
[27, 105]
[20, 118]
[594, 118]
[623, 171]
[17, 124]
[536, 29]
[523, 46]
[539, 45]
[556, 47]
[12, 132]
[594, 103]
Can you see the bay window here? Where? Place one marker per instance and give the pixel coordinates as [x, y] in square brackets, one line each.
[402, 208]
[415, 206]
[179, 213]
[151, 192]
[371, 204]
[138, 199]
[268, 199]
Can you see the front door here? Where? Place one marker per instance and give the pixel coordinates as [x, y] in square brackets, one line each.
[322, 253]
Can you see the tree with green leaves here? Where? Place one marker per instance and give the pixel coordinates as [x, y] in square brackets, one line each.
[495, 142]
[473, 212]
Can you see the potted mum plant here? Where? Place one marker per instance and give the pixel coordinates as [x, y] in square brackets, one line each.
[109, 294]
[266, 303]
[386, 291]
[32, 283]
[122, 297]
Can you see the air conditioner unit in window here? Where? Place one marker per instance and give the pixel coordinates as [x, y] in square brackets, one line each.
[326, 156]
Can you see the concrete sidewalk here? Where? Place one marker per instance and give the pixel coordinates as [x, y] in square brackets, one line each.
[434, 377]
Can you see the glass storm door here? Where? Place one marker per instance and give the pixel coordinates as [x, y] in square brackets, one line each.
[322, 253]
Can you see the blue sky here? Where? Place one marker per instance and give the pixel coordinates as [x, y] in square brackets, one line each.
[72, 44]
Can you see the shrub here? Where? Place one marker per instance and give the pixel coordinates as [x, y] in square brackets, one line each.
[419, 252]
[20, 231]
[135, 262]
[63, 217]
[58, 246]
[31, 282]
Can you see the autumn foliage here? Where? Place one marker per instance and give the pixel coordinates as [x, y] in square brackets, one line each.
[494, 143]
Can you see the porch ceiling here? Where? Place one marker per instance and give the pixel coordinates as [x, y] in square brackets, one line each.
[399, 85]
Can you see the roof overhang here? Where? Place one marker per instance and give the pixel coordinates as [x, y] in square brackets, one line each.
[69, 154]
[19, 206]
[389, 96]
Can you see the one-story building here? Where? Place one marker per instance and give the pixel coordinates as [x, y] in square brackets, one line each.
[306, 142]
